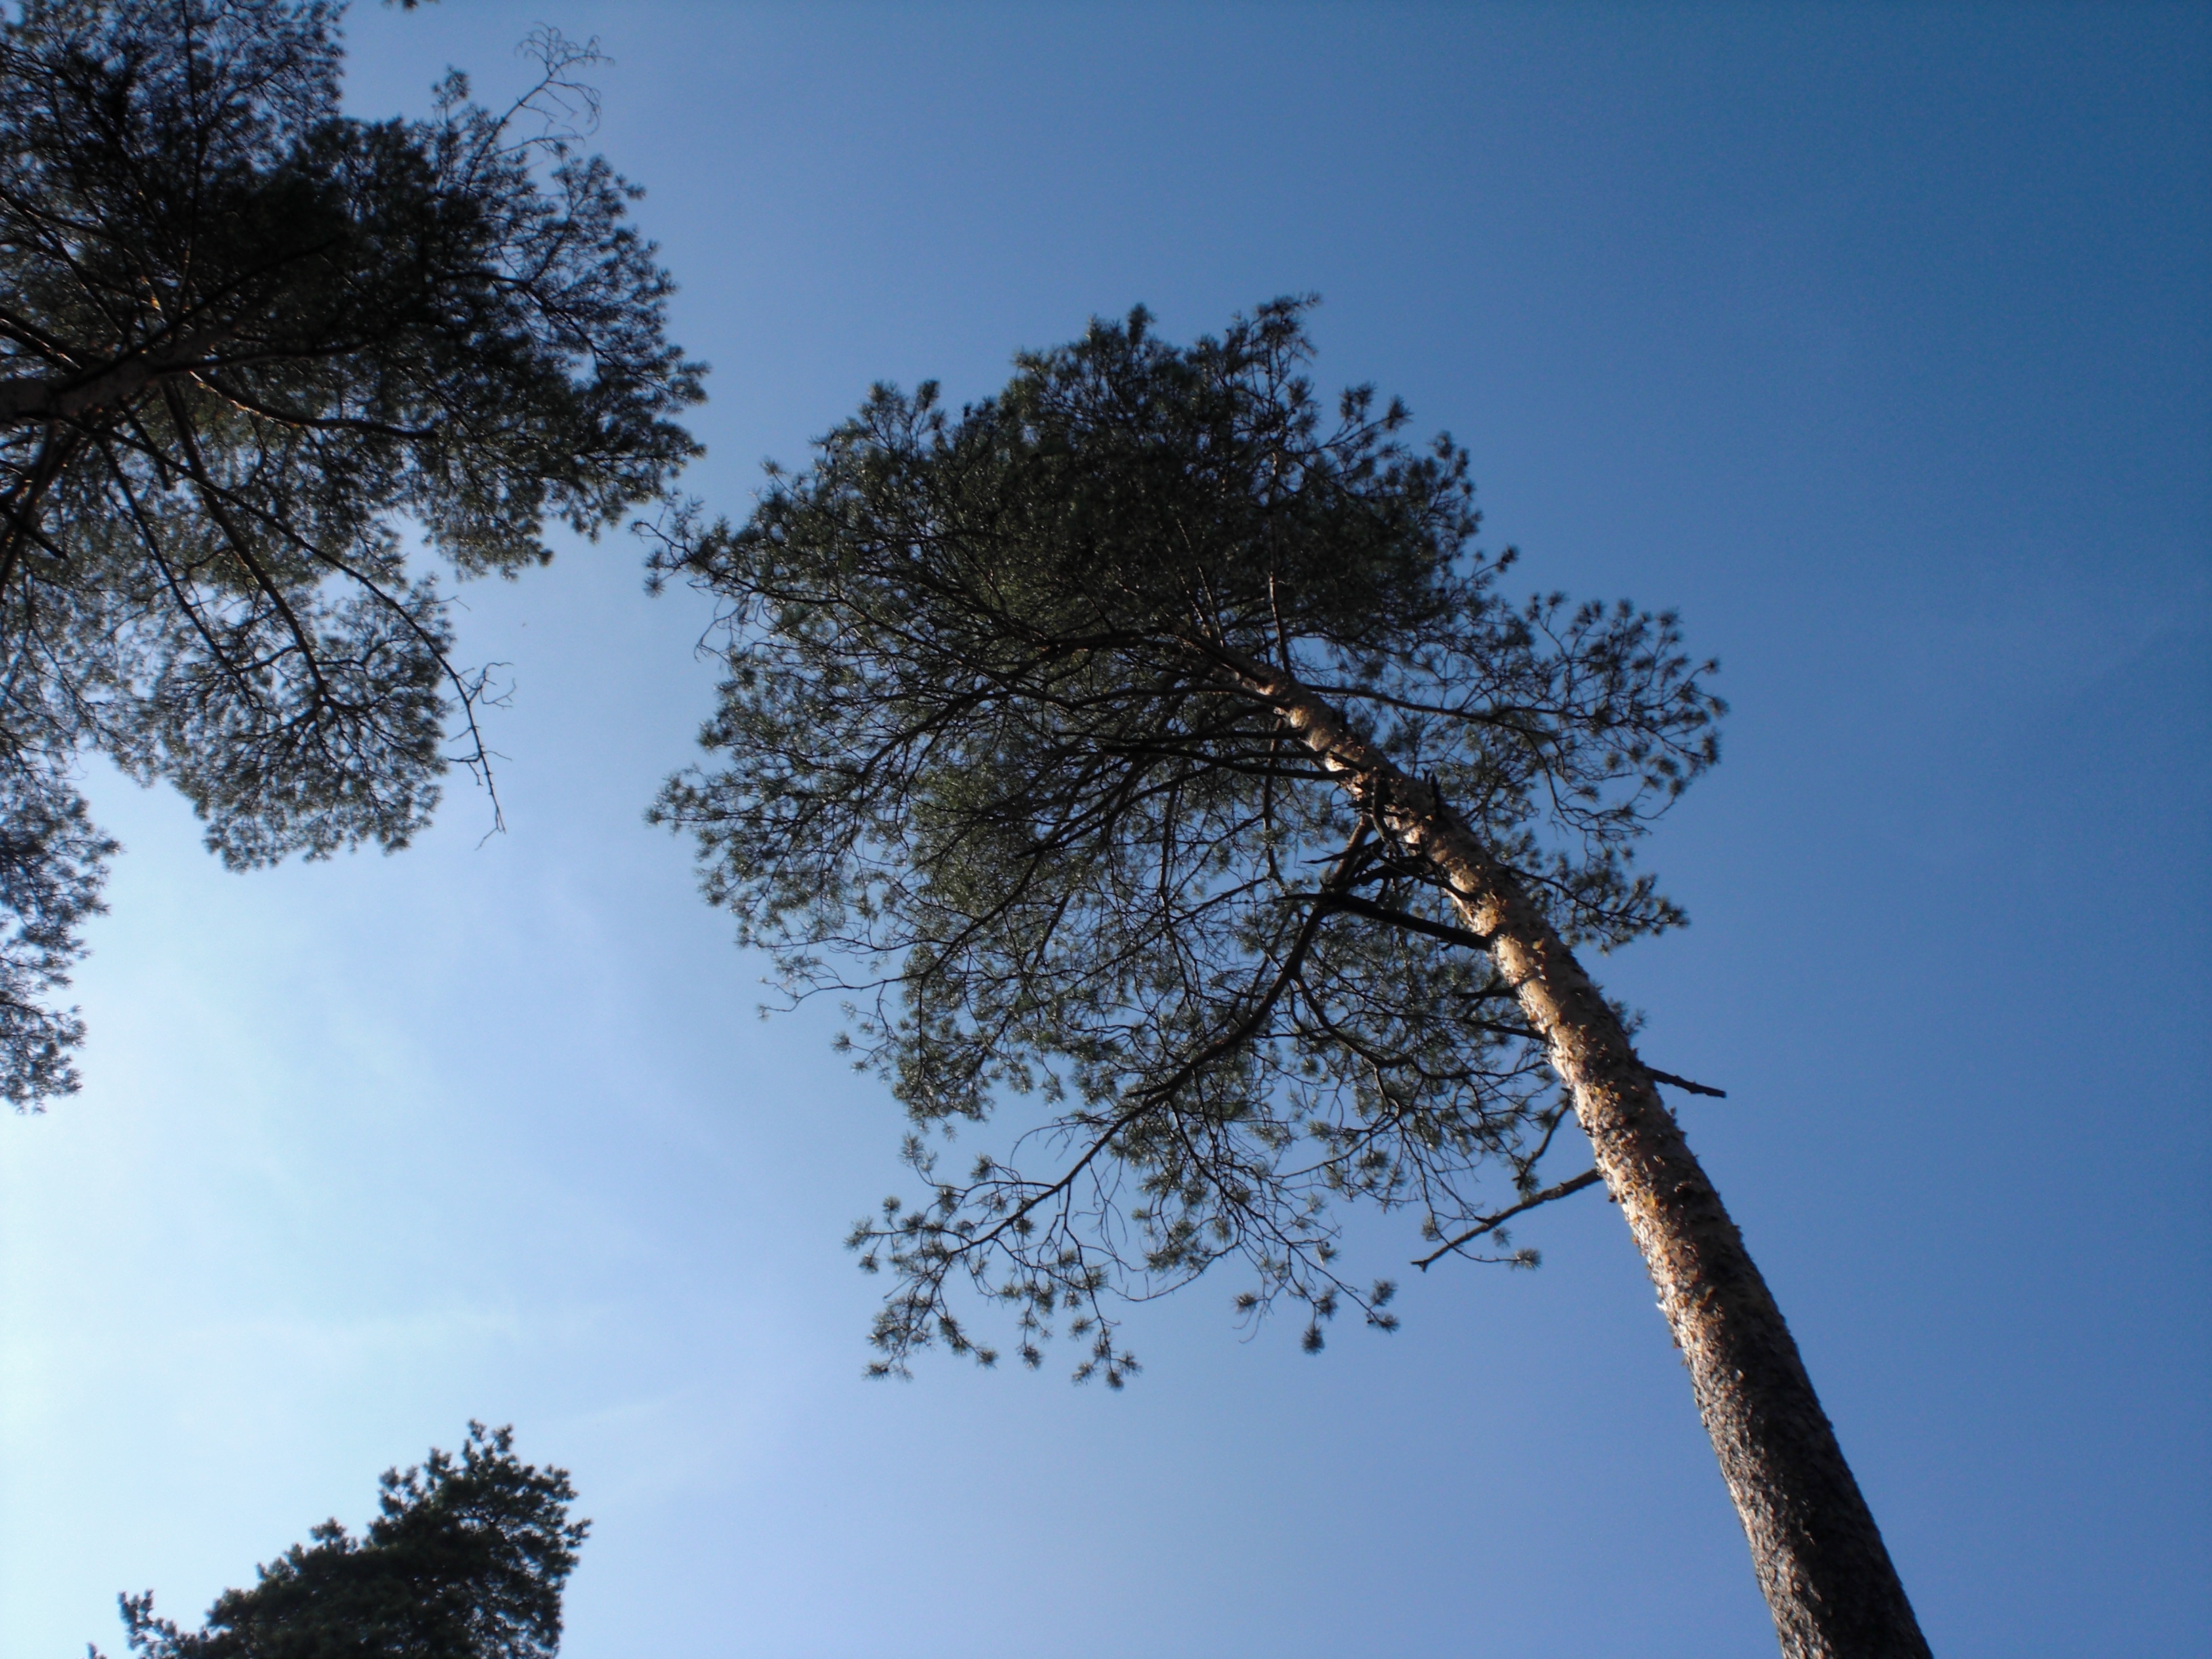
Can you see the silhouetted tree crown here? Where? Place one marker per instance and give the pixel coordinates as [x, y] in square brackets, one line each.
[247, 344]
[984, 767]
[465, 1559]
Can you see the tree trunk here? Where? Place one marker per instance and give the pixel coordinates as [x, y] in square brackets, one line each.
[1818, 1555]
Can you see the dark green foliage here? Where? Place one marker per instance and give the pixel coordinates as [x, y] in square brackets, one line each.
[246, 343]
[465, 1561]
[52, 864]
[981, 739]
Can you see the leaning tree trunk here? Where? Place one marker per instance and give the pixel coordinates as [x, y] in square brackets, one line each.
[1818, 1555]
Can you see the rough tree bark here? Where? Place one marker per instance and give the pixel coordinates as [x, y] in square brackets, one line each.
[1819, 1557]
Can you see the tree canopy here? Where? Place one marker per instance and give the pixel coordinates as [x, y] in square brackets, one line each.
[1156, 760]
[250, 349]
[465, 1559]
[983, 765]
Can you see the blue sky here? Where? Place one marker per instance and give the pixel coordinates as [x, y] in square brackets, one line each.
[1873, 338]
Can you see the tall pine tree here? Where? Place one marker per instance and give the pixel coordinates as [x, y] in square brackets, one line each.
[1150, 759]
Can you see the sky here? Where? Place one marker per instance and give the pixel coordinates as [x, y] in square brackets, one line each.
[1873, 338]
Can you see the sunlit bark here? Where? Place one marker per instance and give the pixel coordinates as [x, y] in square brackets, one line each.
[1818, 1555]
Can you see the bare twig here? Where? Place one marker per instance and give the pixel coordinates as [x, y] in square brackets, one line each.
[1683, 1083]
[1490, 1223]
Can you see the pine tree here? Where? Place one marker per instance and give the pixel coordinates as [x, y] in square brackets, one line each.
[247, 344]
[465, 1559]
[1150, 760]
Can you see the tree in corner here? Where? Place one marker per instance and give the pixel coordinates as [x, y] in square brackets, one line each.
[1171, 767]
[245, 342]
[466, 1559]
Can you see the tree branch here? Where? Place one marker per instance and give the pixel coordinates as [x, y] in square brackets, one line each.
[1684, 1084]
[60, 398]
[1383, 913]
[1490, 1223]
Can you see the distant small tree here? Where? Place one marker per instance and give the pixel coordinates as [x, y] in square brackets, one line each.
[1173, 770]
[465, 1559]
[247, 342]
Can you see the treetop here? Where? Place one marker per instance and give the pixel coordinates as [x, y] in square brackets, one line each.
[986, 764]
